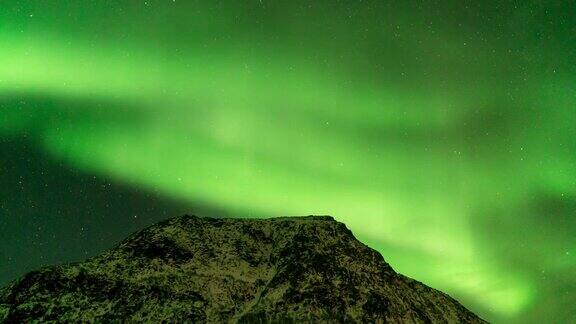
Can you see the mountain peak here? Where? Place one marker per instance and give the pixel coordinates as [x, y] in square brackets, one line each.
[191, 268]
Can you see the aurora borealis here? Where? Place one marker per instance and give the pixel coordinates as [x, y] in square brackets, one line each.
[442, 133]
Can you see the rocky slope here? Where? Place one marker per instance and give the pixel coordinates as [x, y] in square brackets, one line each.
[294, 269]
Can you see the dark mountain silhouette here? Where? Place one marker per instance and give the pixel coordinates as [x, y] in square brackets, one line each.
[290, 269]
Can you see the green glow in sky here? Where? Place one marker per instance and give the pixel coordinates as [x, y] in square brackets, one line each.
[443, 135]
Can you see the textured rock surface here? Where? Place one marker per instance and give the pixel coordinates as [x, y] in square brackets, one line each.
[231, 270]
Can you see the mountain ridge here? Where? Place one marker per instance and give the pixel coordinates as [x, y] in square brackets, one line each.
[190, 268]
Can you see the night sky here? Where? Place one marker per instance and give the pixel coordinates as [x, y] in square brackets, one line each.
[443, 133]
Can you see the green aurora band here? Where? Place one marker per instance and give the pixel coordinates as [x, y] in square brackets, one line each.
[442, 134]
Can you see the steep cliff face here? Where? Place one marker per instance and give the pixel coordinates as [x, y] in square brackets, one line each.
[187, 268]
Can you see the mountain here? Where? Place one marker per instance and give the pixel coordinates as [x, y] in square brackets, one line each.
[213, 270]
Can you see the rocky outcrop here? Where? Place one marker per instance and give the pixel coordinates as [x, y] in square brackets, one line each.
[291, 269]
